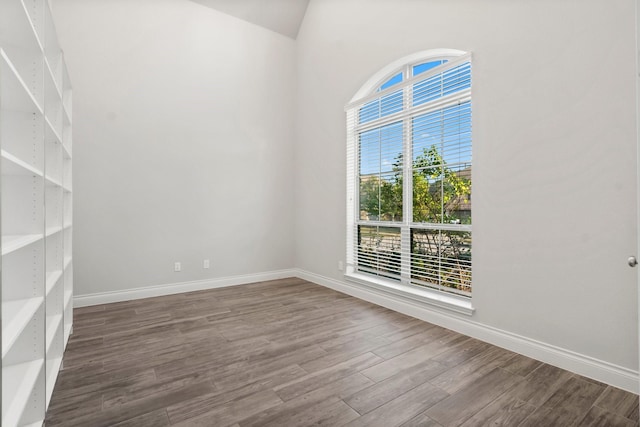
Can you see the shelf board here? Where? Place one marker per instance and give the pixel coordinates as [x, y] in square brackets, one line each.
[13, 242]
[67, 261]
[15, 90]
[20, 379]
[67, 151]
[52, 129]
[15, 17]
[67, 114]
[16, 315]
[11, 165]
[67, 225]
[51, 180]
[53, 230]
[53, 323]
[36, 424]
[52, 279]
[49, 70]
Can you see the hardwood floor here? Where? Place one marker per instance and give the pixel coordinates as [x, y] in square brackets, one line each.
[292, 353]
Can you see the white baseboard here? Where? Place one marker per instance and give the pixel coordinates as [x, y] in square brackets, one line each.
[176, 288]
[599, 370]
[618, 376]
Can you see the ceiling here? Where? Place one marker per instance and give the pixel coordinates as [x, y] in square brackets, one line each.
[281, 16]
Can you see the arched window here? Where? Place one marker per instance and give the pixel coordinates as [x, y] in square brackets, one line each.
[409, 222]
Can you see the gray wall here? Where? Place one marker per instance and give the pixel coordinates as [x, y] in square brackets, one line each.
[554, 153]
[183, 121]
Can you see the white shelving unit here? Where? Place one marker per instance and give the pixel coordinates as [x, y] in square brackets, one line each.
[36, 203]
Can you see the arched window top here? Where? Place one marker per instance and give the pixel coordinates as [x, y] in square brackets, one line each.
[426, 66]
[392, 81]
[405, 68]
[411, 71]
[424, 78]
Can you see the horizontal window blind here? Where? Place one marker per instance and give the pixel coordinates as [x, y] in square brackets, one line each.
[378, 251]
[410, 221]
[442, 84]
[381, 107]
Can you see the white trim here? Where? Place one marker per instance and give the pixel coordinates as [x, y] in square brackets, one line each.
[617, 376]
[600, 370]
[409, 81]
[638, 157]
[450, 302]
[446, 101]
[379, 77]
[176, 288]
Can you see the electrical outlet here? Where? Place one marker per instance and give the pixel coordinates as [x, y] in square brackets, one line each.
[206, 264]
[177, 266]
[340, 265]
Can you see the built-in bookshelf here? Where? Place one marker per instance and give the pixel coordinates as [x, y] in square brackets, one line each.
[36, 209]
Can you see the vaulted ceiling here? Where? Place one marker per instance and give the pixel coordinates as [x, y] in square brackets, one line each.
[281, 16]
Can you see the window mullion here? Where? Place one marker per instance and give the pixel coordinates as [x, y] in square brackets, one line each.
[407, 191]
[442, 179]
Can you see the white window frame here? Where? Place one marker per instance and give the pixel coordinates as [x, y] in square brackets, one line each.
[369, 92]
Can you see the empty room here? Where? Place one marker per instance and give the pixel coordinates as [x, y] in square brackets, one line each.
[319, 212]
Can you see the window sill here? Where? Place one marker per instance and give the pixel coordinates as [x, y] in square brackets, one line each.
[437, 299]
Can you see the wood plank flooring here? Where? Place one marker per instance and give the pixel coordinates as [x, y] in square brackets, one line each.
[292, 353]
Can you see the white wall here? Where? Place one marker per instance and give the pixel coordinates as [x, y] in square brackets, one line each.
[183, 121]
[554, 155]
